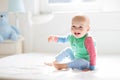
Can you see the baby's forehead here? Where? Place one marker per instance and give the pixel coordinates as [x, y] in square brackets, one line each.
[77, 24]
[80, 19]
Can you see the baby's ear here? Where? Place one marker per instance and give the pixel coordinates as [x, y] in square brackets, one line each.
[88, 28]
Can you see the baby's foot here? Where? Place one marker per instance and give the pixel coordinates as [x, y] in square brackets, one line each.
[59, 66]
[85, 70]
[56, 65]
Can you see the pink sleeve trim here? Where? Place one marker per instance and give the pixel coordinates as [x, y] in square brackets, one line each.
[89, 43]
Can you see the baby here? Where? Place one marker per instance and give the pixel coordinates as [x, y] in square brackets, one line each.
[82, 51]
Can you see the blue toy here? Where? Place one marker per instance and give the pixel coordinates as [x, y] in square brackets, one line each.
[7, 32]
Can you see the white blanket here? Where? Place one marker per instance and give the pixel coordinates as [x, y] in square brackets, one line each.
[31, 66]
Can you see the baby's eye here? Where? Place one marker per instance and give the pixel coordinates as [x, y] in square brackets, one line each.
[81, 27]
[73, 26]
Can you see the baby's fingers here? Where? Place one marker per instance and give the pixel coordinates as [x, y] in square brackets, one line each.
[50, 38]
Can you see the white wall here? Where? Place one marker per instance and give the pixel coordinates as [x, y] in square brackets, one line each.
[32, 6]
[3, 5]
[111, 5]
[105, 28]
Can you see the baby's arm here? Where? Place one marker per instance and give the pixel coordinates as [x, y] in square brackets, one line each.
[89, 43]
[57, 39]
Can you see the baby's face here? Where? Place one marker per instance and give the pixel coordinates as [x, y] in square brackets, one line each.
[79, 29]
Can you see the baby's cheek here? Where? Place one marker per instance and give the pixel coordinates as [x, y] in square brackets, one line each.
[72, 31]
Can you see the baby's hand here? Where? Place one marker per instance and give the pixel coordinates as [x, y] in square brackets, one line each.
[52, 38]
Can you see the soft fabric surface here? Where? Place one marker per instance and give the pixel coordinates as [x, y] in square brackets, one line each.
[30, 66]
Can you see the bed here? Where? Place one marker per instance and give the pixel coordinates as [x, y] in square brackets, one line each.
[31, 66]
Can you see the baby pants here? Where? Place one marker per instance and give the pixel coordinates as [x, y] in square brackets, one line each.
[75, 63]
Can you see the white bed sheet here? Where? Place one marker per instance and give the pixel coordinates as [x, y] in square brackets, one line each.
[30, 66]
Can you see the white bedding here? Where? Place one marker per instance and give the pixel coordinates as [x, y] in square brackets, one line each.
[30, 66]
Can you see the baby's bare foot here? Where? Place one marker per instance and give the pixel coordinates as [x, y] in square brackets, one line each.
[59, 66]
[56, 65]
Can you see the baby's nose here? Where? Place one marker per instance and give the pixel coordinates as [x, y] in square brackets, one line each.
[77, 30]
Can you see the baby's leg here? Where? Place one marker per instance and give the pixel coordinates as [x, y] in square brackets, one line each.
[65, 53]
[80, 64]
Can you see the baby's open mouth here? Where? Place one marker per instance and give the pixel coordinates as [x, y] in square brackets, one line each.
[77, 33]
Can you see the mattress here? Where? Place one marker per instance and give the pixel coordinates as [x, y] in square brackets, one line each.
[31, 66]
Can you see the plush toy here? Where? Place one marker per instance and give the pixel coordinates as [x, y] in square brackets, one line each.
[7, 32]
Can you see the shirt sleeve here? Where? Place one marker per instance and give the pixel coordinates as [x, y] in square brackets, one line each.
[62, 39]
[89, 43]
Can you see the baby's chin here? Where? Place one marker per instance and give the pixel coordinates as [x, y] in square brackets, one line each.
[77, 36]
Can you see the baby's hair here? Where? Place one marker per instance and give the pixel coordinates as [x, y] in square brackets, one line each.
[81, 18]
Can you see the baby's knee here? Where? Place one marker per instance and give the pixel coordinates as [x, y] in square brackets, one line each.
[68, 49]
